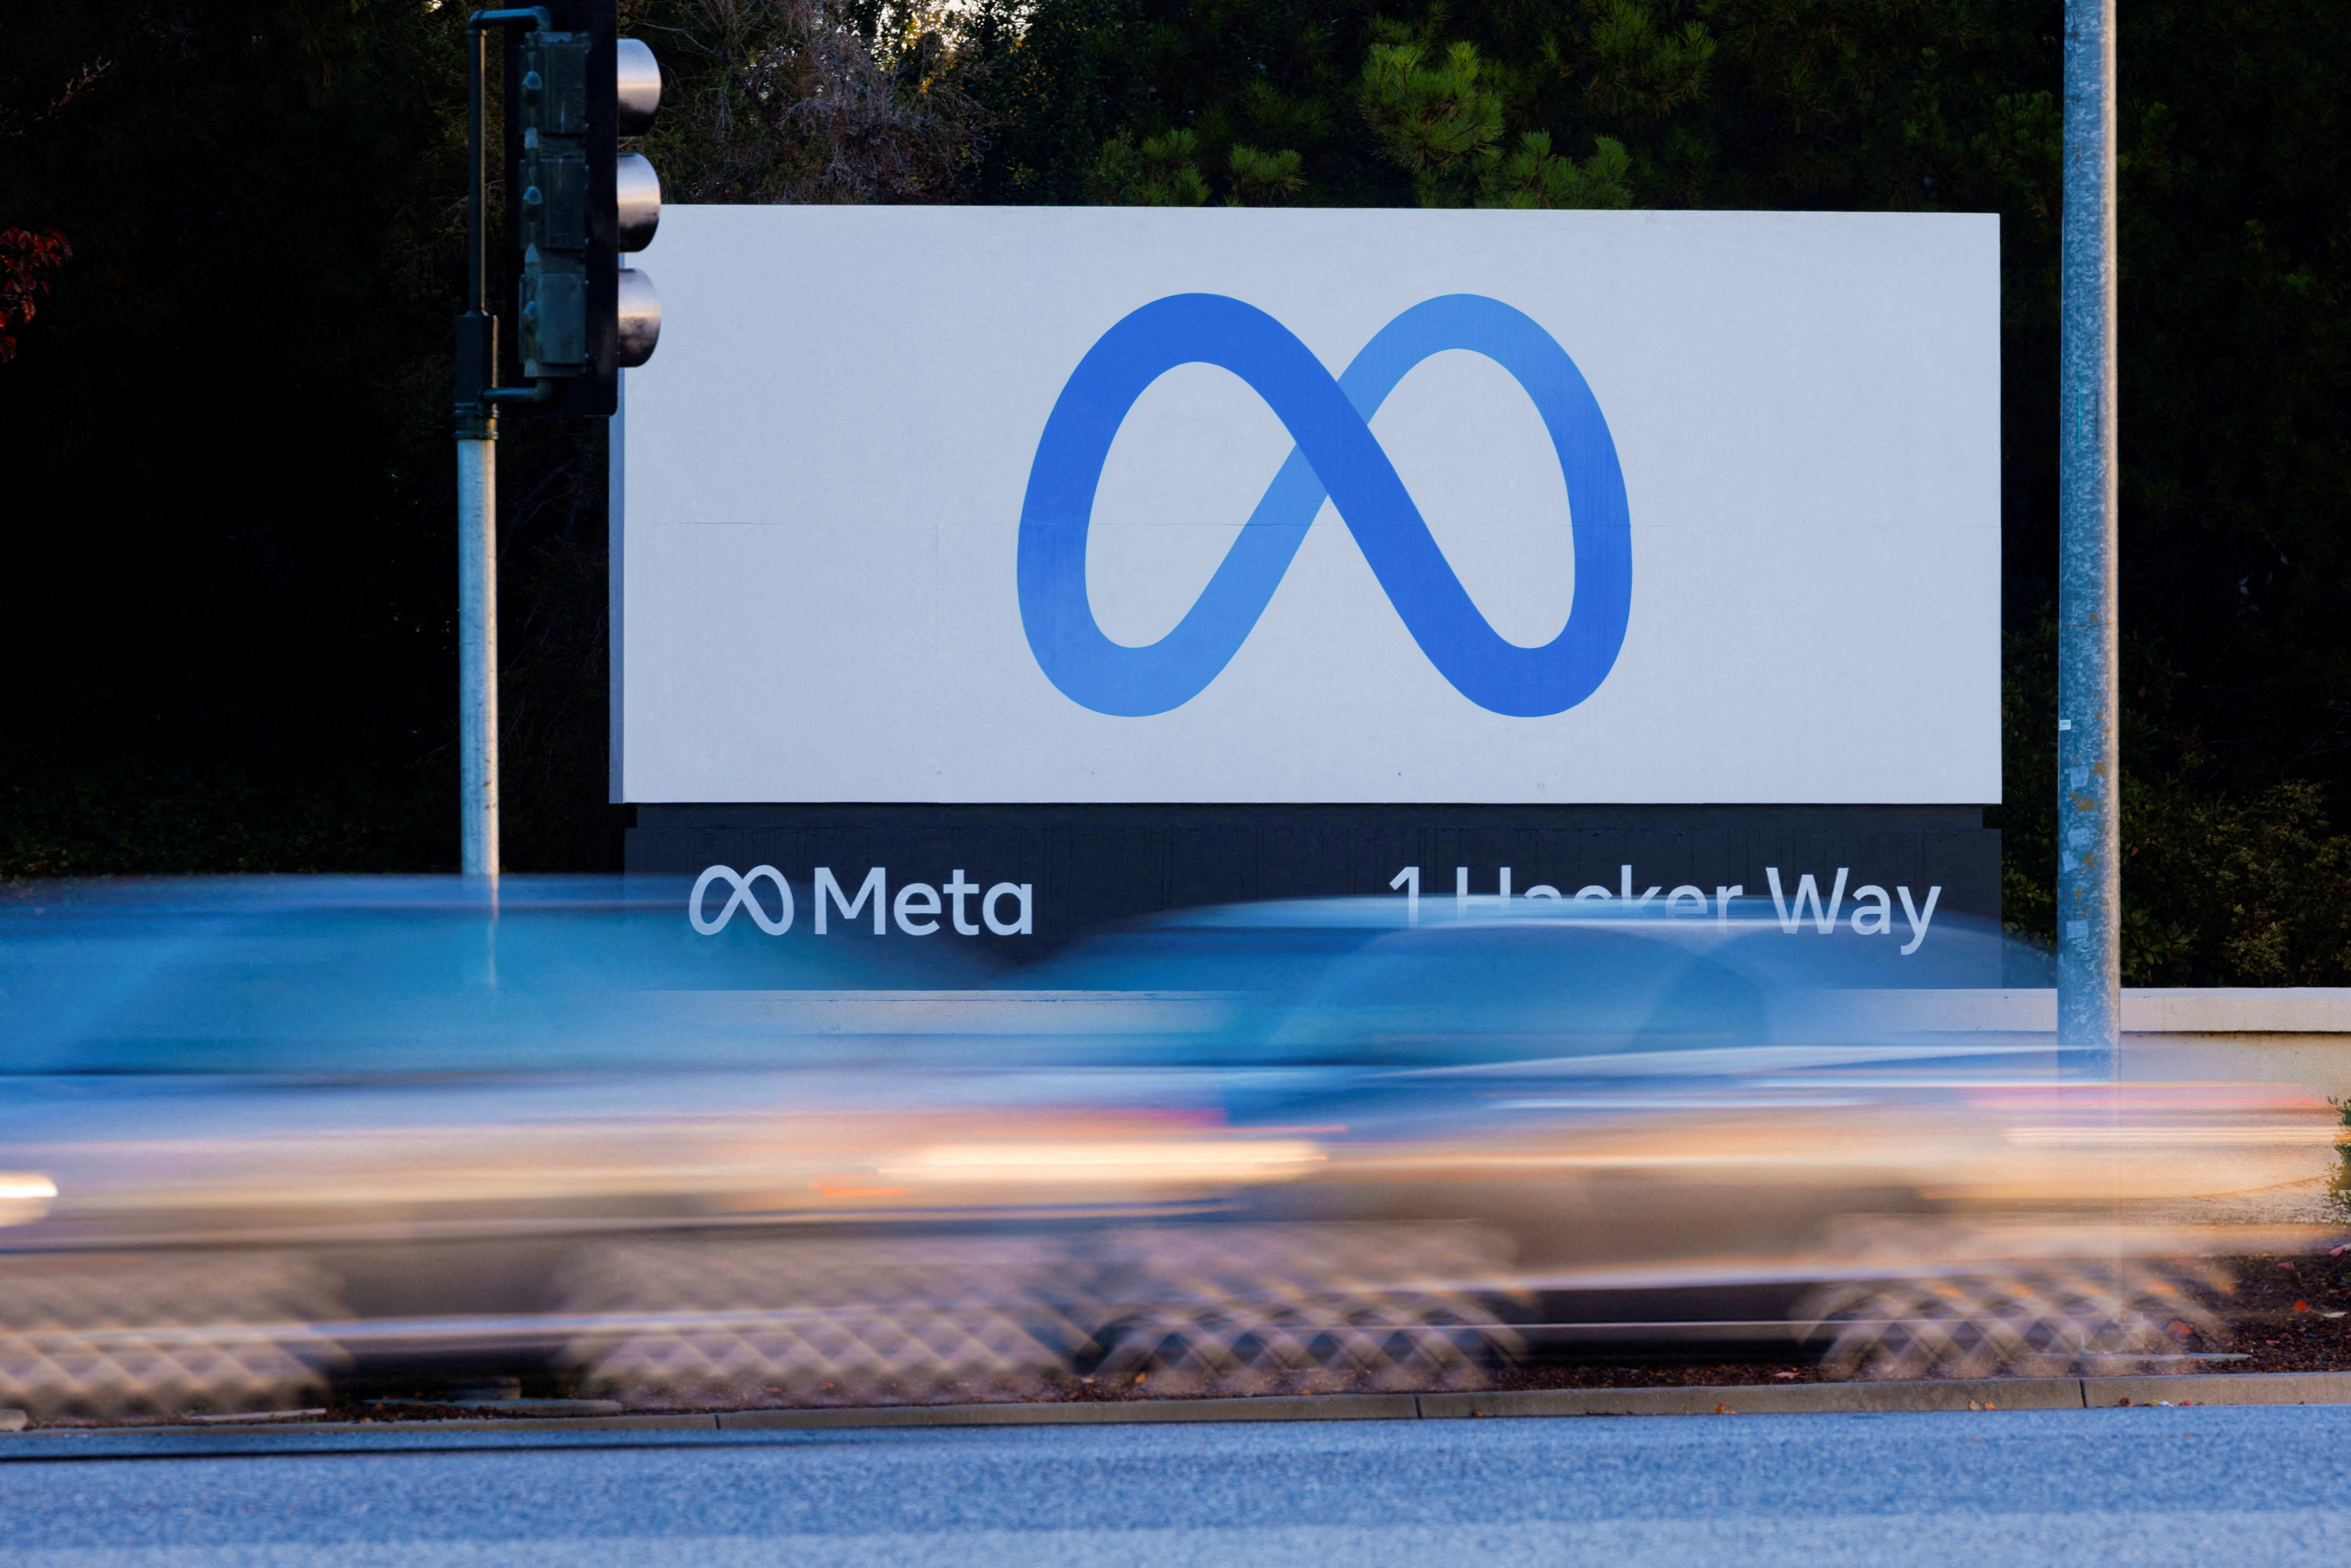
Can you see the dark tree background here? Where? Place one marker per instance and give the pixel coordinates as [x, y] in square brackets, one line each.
[229, 603]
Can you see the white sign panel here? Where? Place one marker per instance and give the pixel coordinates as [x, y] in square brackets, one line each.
[959, 504]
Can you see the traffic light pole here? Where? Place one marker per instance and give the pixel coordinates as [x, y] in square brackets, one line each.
[477, 479]
[477, 506]
[578, 203]
[477, 647]
[2089, 775]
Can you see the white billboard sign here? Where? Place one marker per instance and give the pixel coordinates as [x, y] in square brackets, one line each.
[961, 503]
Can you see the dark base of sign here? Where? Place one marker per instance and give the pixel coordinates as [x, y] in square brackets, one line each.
[1092, 866]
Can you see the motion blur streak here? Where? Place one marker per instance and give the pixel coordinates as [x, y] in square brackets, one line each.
[1198, 1161]
[263, 1141]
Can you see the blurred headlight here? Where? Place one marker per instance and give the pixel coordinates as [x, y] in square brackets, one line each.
[25, 1197]
[1121, 1164]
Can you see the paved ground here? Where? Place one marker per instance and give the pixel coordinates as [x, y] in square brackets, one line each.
[2205, 1486]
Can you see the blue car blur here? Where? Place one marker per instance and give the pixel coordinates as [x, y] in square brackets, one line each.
[261, 1140]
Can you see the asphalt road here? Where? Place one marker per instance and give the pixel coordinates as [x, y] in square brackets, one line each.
[2203, 1486]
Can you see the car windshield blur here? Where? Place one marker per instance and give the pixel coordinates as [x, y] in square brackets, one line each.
[400, 975]
[1470, 994]
[1268, 951]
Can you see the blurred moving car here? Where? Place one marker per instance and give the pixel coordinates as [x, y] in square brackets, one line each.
[256, 1136]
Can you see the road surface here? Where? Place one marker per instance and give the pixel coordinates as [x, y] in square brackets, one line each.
[2201, 1485]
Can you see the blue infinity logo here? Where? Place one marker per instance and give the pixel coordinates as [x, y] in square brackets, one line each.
[1336, 458]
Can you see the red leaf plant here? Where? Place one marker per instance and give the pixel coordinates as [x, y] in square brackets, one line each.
[25, 257]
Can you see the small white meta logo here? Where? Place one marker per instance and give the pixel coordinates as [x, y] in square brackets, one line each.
[915, 909]
[740, 898]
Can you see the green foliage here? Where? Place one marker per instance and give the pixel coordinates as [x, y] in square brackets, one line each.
[1532, 175]
[1437, 123]
[1644, 68]
[1162, 172]
[1165, 171]
[1430, 119]
[1862, 104]
[1058, 80]
[2252, 889]
[1431, 116]
[2218, 889]
[1265, 179]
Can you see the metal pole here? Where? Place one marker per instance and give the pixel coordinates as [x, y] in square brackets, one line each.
[478, 513]
[477, 651]
[2089, 782]
[477, 403]
[477, 230]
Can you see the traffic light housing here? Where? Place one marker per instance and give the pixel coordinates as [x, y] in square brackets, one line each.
[577, 204]
[553, 220]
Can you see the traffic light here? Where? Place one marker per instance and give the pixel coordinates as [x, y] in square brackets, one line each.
[636, 191]
[574, 88]
[551, 332]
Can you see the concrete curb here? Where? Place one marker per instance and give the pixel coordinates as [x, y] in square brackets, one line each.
[1139, 1411]
[1776, 1399]
[2220, 1388]
[1745, 1399]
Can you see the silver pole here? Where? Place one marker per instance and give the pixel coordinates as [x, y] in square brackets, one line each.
[477, 501]
[477, 650]
[2089, 782]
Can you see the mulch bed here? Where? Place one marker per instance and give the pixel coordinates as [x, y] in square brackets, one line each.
[2280, 1313]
